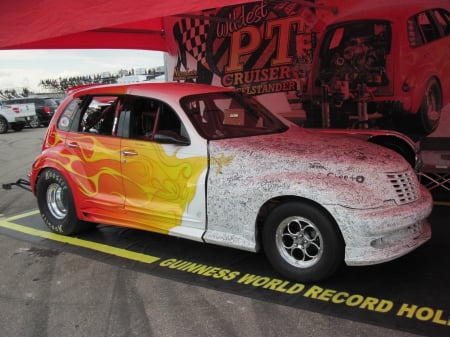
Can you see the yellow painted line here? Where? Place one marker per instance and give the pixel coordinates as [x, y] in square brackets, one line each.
[23, 215]
[99, 247]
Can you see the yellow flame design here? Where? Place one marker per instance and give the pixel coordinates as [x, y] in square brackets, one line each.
[158, 186]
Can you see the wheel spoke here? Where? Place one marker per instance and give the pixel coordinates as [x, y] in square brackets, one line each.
[299, 241]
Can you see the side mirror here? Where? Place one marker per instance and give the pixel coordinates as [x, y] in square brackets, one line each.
[170, 137]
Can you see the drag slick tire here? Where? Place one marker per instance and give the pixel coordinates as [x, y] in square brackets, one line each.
[302, 242]
[55, 201]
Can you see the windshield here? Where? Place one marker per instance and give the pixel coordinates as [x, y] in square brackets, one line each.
[229, 115]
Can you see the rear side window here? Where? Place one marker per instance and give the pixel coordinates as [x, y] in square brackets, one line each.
[415, 38]
[67, 118]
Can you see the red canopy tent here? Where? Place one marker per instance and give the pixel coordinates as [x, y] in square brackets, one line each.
[89, 24]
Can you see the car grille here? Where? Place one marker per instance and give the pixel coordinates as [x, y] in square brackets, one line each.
[405, 187]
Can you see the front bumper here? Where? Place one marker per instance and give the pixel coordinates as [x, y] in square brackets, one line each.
[389, 247]
[384, 234]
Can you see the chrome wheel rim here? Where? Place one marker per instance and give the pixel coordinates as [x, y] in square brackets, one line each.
[34, 122]
[56, 201]
[299, 242]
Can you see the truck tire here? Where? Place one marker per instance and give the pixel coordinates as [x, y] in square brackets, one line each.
[3, 125]
[17, 127]
[34, 122]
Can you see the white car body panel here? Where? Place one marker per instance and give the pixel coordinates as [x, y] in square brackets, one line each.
[351, 184]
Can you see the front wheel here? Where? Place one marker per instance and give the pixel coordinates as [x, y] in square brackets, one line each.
[3, 125]
[302, 242]
[56, 204]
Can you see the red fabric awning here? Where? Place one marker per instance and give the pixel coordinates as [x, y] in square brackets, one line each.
[87, 24]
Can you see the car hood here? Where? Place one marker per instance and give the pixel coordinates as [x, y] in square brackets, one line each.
[338, 169]
[309, 150]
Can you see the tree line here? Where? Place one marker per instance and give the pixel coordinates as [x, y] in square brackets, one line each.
[61, 84]
[11, 93]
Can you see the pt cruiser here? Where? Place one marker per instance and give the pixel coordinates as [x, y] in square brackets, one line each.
[215, 166]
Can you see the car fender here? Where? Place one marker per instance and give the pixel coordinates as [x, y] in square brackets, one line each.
[245, 199]
[49, 160]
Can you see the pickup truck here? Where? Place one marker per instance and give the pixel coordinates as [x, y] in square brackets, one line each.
[16, 116]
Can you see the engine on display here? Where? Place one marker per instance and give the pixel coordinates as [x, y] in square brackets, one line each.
[353, 68]
[354, 64]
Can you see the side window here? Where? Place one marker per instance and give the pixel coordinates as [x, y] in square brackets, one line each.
[168, 120]
[415, 38]
[99, 115]
[68, 116]
[143, 114]
[427, 29]
[149, 117]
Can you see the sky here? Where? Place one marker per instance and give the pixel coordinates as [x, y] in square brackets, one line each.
[25, 68]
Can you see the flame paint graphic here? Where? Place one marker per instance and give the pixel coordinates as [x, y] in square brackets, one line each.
[154, 186]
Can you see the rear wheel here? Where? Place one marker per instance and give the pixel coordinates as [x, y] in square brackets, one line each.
[431, 106]
[302, 242]
[56, 204]
[35, 122]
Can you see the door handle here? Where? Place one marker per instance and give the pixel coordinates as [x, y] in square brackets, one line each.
[128, 153]
[73, 145]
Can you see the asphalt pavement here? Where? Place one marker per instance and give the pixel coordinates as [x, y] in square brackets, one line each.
[45, 291]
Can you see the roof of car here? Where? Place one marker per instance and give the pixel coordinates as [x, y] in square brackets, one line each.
[393, 12]
[145, 88]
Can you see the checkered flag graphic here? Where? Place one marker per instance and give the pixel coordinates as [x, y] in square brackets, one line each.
[194, 34]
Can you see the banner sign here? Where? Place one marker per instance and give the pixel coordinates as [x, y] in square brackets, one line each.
[258, 48]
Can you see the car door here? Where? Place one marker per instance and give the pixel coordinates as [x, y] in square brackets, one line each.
[163, 174]
[93, 156]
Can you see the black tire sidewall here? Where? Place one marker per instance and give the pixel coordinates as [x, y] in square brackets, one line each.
[69, 224]
[3, 125]
[333, 245]
[427, 125]
[18, 127]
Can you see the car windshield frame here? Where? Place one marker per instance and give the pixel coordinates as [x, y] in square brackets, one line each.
[229, 114]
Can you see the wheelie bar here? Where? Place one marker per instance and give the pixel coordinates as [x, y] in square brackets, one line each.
[22, 183]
